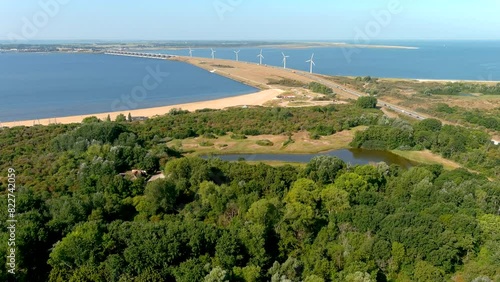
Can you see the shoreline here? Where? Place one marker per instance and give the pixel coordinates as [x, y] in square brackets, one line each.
[265, 94]
[253, 99]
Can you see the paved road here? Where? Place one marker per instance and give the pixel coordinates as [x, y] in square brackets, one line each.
[381, 103]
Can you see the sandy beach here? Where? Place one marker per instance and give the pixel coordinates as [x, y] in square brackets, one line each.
[254, 99]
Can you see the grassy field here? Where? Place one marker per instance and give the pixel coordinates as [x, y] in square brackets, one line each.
[302, 144]
[427, 157]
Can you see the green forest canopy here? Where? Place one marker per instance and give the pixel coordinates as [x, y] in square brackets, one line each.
[210, 220]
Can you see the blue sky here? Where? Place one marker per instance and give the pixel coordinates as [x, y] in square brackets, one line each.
[249, 19]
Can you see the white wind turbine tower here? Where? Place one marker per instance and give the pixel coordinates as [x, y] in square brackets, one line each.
[190, 52]
[311, 61]
[260, 57]
[284, 60]
[237, 55]
[213, 53]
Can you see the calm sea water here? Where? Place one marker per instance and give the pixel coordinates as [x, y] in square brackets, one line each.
[54, 85]
[460, 60]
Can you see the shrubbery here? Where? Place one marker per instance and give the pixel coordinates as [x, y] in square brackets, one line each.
[265, 143]
[469, 147]
[286, 82]
[367, 102]
[257, 121]
[238, 136]
[320, 88]
[458, 88]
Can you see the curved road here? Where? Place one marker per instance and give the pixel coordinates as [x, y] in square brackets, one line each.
[381, 103]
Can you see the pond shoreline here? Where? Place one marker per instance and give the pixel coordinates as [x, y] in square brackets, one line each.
[352, 156]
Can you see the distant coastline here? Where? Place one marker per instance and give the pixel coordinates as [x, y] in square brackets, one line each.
[292, 46]
[98, 48]
[339, 45]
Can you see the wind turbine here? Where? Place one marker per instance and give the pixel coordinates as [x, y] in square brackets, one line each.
[260, 57]
[213, 53]
[284, 60]
[190, 52]
[237, 56]
[312, 63]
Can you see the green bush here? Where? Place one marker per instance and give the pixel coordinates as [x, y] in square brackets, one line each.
[367, 102]
[314, 136]
[91, 119]
[121, 118]
[320, 88]
[286, 82]
[288, 142]
[265, 143]
[175, 112]
[238, 137]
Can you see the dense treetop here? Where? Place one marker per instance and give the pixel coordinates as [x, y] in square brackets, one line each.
[81, 217]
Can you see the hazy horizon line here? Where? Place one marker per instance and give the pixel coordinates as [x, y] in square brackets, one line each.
[351, 41]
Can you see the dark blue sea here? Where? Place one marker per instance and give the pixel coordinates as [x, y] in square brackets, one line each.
[41, 85]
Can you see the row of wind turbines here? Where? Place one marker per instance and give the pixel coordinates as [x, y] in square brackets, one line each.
[261, 57]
